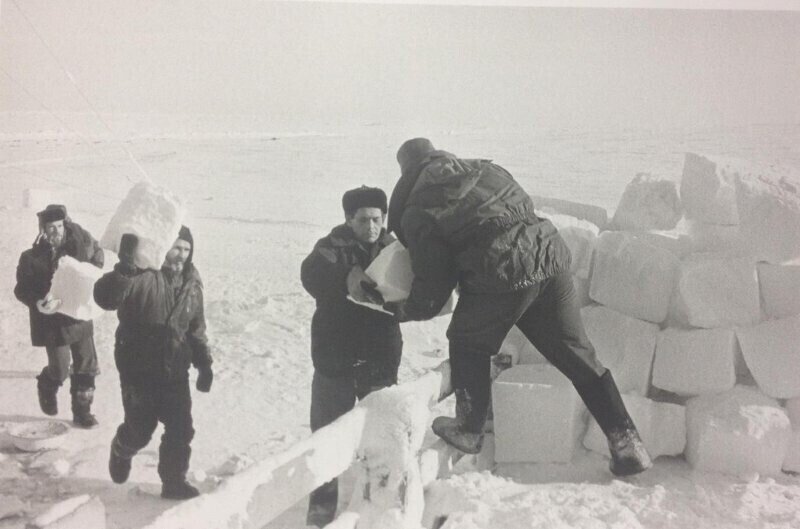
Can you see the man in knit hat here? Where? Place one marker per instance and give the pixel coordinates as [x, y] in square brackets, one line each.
[63, 338]
[162, 330]
[466, 222]
[355, 349]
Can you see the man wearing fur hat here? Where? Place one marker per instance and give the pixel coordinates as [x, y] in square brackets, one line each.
[355, 349]
[63, 338]
[466, 222]
[162, 330]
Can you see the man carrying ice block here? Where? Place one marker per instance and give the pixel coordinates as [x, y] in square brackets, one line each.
[64, 338]
[355, 349]
[467, 222]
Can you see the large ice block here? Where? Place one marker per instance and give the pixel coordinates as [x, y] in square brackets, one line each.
[771, 351]
[391, 270]
[736, 432]
[579, 236]
[623, 344]
[632, 276]
[152, 214]
[73, 285]
[662, 426]
[695, 362]
[706, 195]
[594, 214]
[780, 289]
[648, 203]
[714, 290]
[538, 415]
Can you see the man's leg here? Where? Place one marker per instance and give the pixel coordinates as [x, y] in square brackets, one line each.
[479, 325]
[553, 324]
[174, 405]
[52, 376]
[84, 369]
[136, 430]
[331, 397]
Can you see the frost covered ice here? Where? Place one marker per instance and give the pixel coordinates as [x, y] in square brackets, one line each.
[73, 285]
[151, 213]
[737, 432]
[694, 362]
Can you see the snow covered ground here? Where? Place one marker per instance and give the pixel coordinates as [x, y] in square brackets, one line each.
[257, 204]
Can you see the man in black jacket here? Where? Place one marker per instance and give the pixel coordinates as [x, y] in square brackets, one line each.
[355, 349]
[466, 222]
[61, 336]
[162, 330]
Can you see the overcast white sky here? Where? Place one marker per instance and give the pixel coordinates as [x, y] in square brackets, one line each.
[361, 63]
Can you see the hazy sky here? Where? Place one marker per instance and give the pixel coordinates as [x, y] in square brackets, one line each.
[443, 64]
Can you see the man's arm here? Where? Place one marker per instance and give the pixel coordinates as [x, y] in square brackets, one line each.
[24, 289]
[196, 336]
[110, 290]
[323, 273]
[432, 264]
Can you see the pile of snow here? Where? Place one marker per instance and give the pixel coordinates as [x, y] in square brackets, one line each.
[151, 213]
[73, 285]
[737, 432]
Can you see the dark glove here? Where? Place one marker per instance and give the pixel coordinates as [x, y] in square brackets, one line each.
[356, 278]
[398, 309]
[128, 245]
[204, 379]
[371, 293]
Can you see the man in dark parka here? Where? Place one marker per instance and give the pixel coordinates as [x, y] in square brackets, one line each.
[162, 330]
[355, 349]
[466, 222]
[61, 336]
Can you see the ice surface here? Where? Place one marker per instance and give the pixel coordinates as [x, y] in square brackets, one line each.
[632, 276]
[623, 344]
[662, 426]
[391, 270]
[780, 289]
[772, 353]
[538, 415]
[80, 512]
[714, 290]
[694, 362]
[151, 213]
[706, 196]
[736, 432]
[73, 284]
[648, 203]
[579, 236]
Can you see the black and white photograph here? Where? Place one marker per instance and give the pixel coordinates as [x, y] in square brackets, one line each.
[410, 264]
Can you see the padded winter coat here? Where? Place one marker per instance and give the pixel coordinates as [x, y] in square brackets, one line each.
[467, 222]
[342, 332]
[162, 327]
[34, 278]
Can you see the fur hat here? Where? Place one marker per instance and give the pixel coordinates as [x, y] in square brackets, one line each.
[52, 213]
[363, 197]
[412, 152]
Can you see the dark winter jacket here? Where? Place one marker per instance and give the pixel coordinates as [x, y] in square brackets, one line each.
[34, 276]
[162, 327]
[342, 332]
[467, 222]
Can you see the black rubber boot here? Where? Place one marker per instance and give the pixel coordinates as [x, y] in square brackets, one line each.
[178, 490]
[47, 389]
[82, 391]
[628, 453]
[465, 431]
[119, 462]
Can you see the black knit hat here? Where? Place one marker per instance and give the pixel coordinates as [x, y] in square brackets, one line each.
[186, 235]
[52, 213]
[363, 197]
